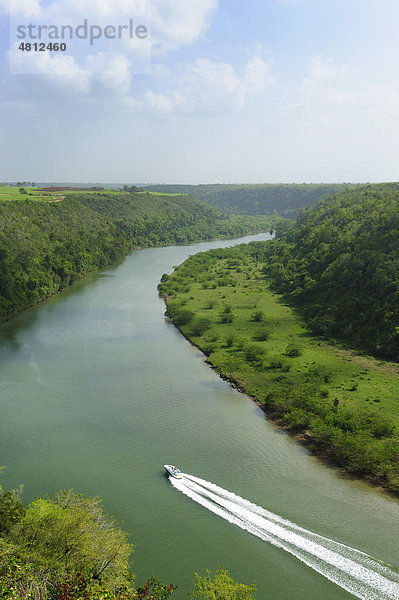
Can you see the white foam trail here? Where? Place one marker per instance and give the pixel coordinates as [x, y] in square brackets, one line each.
[356, 572]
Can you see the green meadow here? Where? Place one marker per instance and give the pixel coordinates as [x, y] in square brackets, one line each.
[342, 403]
[12, 194]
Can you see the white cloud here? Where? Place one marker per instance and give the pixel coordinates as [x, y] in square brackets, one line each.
[62, 69]
[257, 75]
[177, 23]
[111, 71]
[166, 102]
[174, 23]
[30, 8]
[211, 88]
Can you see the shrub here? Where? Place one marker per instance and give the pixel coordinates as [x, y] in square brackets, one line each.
[276, 362]
[221, 586]
[240, 342]
[230, 340]
[209, 348]
[226, 317]
[257, 316]
[262, 335]
[183, 316]
[199, 326]
[253, 352]
[11, 510]
[210, 304]
[293, 349]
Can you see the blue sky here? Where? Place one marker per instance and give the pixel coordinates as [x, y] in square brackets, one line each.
[240, 91]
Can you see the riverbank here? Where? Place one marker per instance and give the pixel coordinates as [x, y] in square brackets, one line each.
[46, 246]
[341, 404]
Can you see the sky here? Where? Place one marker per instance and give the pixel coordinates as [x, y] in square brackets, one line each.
[237, 91]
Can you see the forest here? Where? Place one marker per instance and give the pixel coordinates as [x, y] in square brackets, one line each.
[285, 200]
[339, 264]
[46, 245]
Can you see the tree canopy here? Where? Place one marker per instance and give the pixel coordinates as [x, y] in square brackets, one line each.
[46, 246]
[285, 200]
[339, 263]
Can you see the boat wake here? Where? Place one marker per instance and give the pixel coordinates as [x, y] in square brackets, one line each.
[354, 571]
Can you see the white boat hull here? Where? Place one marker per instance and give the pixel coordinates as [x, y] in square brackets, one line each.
[173, 471]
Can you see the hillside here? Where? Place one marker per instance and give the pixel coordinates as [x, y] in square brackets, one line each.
[46, 245]
[339, 263]
[262, 199]
[341, 405]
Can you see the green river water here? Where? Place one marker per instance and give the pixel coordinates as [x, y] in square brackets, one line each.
[98, 390]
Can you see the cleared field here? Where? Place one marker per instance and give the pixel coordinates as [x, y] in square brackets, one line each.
[12, 194]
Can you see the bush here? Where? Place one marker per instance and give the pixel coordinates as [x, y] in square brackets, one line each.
[226, 317]
[253, 352]
[210, 304]
[209, 348]
[199, 326]
[240, 342]
[293, 349]
[183, 316]
[220, 587]
[58, 537]
[262, 335]
[11, 510]
[257, 316]
[276, 362]
[230, 340]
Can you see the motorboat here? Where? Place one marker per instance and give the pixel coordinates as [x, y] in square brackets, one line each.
[173, 471]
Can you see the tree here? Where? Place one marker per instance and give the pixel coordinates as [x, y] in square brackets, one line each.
[220, 587]
[257, 316]
[11, 510]
[68, 534]
[199, 326]
[155, 589]
[254, 353]
[293, 349]
[22, 191]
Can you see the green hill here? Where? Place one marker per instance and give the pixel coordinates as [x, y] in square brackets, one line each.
[339, 263]
[47, 245]
[285, 200]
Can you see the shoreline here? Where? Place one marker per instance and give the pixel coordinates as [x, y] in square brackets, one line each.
[302, 438]
[114, 263]
[336, 403]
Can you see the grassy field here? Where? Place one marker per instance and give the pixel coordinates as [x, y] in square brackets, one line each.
[222, 303]
[12, 194]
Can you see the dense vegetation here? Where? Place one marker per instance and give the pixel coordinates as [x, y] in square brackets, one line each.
[46, 246]
[67, 548]
[262, 199]
[339, 263]
[341, 404]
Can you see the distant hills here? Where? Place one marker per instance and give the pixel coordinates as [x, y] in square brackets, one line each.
[285, 200]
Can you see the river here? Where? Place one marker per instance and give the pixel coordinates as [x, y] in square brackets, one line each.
[98, 390]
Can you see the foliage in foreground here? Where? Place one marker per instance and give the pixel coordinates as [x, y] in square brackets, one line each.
[321, 394]
[54, 540]
[67, 548]
[220, 587]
